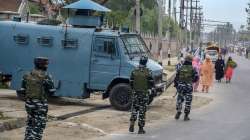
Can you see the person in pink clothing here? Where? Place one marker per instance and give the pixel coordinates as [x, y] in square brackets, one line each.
[197, 66]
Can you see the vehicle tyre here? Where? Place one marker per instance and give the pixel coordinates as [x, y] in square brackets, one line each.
[120, 97]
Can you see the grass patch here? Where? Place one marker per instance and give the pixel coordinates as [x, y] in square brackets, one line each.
[3, 86]
[2, 117]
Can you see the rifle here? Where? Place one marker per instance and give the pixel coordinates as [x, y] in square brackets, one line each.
[176, 93]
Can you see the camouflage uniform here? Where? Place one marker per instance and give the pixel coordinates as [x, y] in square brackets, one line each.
[141, 81]
[36, 85]
[185, 76]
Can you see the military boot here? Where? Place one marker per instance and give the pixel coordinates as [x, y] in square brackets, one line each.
[186, 118]
[141, 130]
[177, 116]
[131, 127]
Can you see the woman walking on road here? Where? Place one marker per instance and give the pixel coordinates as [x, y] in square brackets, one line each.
[219, 69]
[231, 65]
[197, 66]
[207, 69]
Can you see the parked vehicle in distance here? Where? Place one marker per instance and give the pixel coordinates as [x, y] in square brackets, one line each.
[213, 51]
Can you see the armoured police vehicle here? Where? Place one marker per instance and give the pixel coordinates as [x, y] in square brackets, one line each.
[83, 58]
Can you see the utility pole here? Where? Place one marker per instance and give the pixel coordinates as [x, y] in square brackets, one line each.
[170, 32]
[160, 16]
[195, 22]
[174, 13]
[138, 18]
[199, 24]
[191, 24]
[187, 13]
[182, 21]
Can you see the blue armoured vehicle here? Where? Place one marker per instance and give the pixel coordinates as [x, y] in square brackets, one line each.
[83, 57]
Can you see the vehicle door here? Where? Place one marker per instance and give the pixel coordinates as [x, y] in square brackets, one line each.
[105, 62]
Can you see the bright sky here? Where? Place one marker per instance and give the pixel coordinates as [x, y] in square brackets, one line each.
[226, 10]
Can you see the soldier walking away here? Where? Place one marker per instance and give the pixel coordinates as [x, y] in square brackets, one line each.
[184, 79]
[37, 86]
[141, 82]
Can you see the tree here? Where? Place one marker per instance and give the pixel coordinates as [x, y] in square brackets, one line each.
[123, 13]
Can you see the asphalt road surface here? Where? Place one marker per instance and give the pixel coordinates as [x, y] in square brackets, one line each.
[226, 118]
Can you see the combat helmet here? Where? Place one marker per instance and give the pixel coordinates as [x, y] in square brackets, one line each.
[143, 60]
[41, 63]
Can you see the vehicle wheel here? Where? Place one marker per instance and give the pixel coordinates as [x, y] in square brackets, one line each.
[120, 97]
[151, 99]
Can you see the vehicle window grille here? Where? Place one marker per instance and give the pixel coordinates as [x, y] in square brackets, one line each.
[103, 46]
[45, 41]
[70, 43]
[21, 39]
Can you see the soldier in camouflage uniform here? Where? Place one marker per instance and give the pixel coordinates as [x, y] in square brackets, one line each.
[184, 80]
[36, 86]
[141, 82]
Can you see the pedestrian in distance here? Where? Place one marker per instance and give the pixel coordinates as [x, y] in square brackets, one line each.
[183, 82]
[230, 66]
[141, 82]
[37, 86]
[207, 70]
[197, 66]
[219, 68]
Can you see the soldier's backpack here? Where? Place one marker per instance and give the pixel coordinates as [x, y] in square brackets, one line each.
[186, 74]
[34, 85]
[141, 82]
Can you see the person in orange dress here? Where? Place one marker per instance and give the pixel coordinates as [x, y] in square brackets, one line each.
[207, 70]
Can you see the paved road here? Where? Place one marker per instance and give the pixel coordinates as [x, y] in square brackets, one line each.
[226, 118]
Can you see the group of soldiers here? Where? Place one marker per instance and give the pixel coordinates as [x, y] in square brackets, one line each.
[37, 85]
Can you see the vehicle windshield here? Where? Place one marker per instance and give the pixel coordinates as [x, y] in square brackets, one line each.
[134, 45]
[212, 53]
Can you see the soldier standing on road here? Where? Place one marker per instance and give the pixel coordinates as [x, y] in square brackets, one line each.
[184, 80]
[37, 85]
[141, 82]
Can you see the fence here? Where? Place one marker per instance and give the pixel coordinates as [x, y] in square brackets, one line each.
[158, 53]
[8, 15]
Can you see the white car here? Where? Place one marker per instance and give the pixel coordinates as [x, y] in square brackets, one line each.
[213, 54]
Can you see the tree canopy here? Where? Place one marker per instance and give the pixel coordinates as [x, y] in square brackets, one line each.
[123, 15]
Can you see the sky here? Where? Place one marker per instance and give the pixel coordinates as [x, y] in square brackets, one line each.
[223, 10]
[226, 10]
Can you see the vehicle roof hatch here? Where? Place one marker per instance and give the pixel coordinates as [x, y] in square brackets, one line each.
[84, 14]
